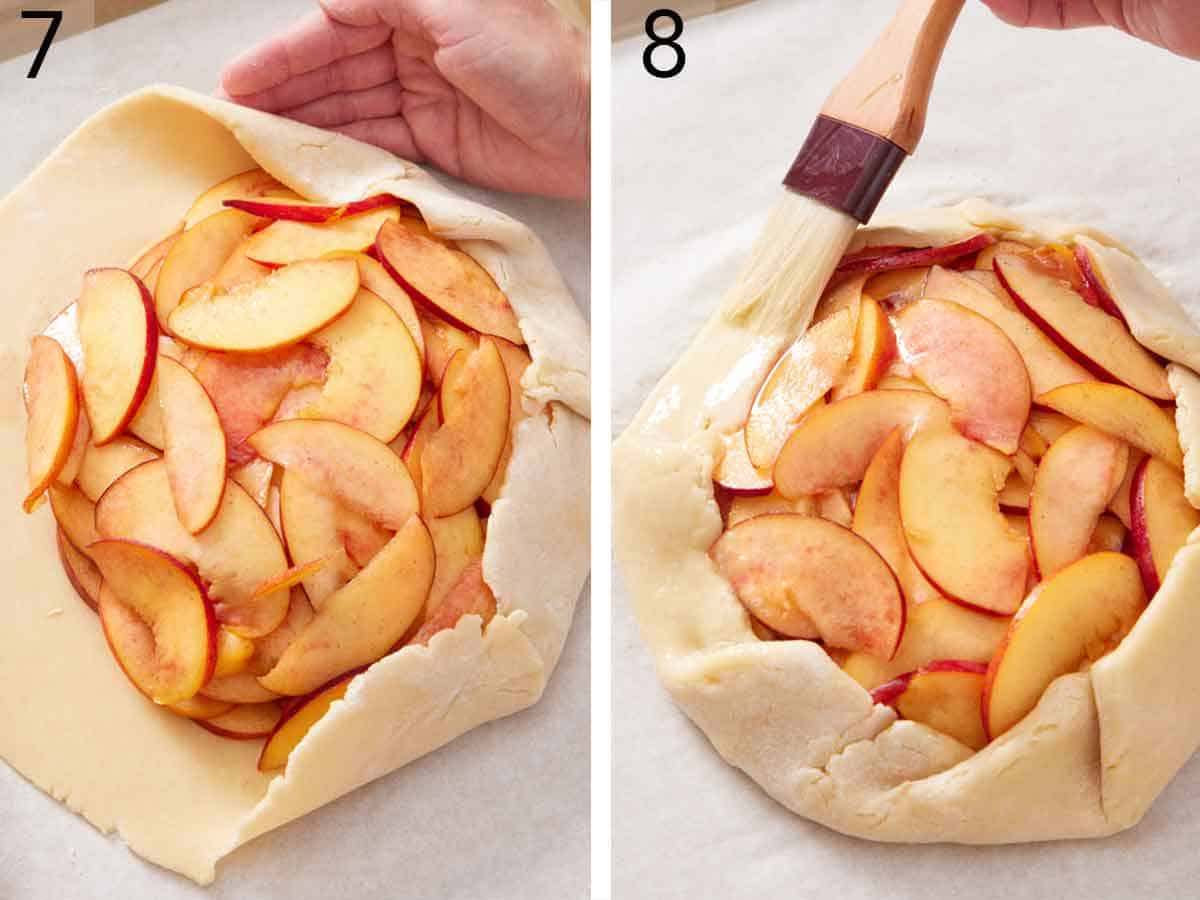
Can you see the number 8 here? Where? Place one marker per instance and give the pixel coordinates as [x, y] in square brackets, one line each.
[668, 41]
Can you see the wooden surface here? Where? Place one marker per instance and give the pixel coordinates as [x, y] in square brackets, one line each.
[887, 92]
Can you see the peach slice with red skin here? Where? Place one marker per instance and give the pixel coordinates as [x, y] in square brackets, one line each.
[253, 183]
[516, 361]
[244, 721]
[284, 243]
[157, 619]
[983, 262]
[52, 405]
[195, 446]
[1121, 412]
[152, 259]
[80, 570]
[1122, 499]
[735, 473]
[362, 621]
[451, 282]
[240, 687]
[1162, 519]
[806, 577]
[239, 269]
[1074, 484]
[877, 519]
[233, 653]
[972, 365]
[146, 423]
[746, 507]
[457, 544]
[303, 211]
[198, 256]
[414, 444]
[953, 525]
[269, 648]
[912, 258]
[298, 720]
[800, 378]
[200, 707]
[75, 514]
[945, 695]
[897, 288]
[102, 466]
[119, 337]
[79, 447]
[1080, 614]
[281, 309]
[468, 595]
[874, 347]
[1095, 290]
[375, 278]
[442, 340]
[1092, 337]
[834, 444]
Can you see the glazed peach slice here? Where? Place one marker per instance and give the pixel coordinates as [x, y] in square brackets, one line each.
[346, 464]
[1092, 337]
[299, 719]
[244, 721]
[282, 242]
[303, 211]
[468, 595]
[195, 446]
[316, 526]
[970, 363]
[450, 281]
[80, 570]
[373, 379]
[457, 544]
[236, 553]
[281, 309]
[1047, 365]
[157, 619]
[375, 278]
[1162, 519]
[1121, 412]
[1074, 484]
[197, 256]
[52, 405]
[945, 695]
[953, 525]
[874, 347]
[801, 377]
[735, 473]
[834, 444]
[363, 620]
[254, 183]
[462, 456]
[119, 337]
[877, 518]
[102, 466]
[806, 577]
[897, 288]
[936, 629]
[1080, 614]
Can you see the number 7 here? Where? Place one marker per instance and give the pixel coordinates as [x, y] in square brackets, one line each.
[55, 16]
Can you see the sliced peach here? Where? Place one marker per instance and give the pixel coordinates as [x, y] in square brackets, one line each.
[281, 309]
[1080, 614]
[442, 341]
[954, 528]
[1033, 444]
[240, 687]
[239, 269]
[450, 281]
[255, 478]
[746, 507]
[1047, 365]
[1109, 535]
[79, 447]
[233, 653]
[457, 543]
[80, 570]
[375, 278]
[120, 346]
[269, 648]
[303, 211]
[877, 518]
[198, 256]
[1015, 493]
[282, 242]
[1162, 519]
[1089, 335]
[874, 346]
[157, 619]
[358, 624]
[945, 695]
[298, 720]
[349, 465]
[462, 456]
[146, 423]
[1122, 499]
[922, 256]
[801, 378]
[1078, 477]
[468, 595]
[841, 294]
[75, 514]
[1095, 290]
[834, 445]
[414, 444]
[983, 262]
[244, 721]
[153, 258]
[236, 553]
[516, 361]
[834, 506]
[52, 405]
[972, 364]
[897, 288]
[200, 707]
[736, 473]
[254, 183]
[806, 577]
[103, 465]
[195, 446]
[293, 575]
[900, 383]
[1050, 426]
[1121, 412]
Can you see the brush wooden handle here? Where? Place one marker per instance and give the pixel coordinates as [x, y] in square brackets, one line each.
[888, 91]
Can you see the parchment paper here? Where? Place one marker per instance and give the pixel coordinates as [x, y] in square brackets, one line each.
[1090, 126]
[480, 819]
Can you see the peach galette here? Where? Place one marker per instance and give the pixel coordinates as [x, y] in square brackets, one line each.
[314, 459]
[955, 497]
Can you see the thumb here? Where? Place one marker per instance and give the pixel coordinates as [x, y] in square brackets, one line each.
[1047, 13]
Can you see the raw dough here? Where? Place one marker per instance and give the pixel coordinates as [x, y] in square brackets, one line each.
[1088, 761]
[178, 795]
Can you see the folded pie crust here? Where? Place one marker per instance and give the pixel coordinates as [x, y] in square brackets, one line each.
[1087, 762]
[73, 725]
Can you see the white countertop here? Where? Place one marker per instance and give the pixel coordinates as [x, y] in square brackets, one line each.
[503, 811]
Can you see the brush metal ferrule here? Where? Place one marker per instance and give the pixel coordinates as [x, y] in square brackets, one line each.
[844, 167]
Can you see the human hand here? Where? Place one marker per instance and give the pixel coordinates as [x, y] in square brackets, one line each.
[496, 92]
[1173, 24]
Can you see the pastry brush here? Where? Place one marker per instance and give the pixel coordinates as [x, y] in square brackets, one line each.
[869, 124]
